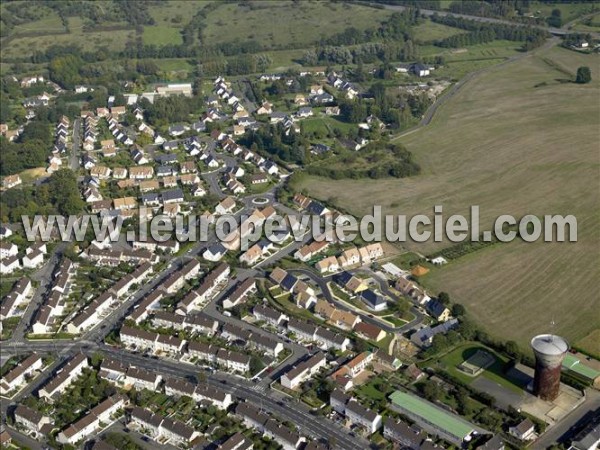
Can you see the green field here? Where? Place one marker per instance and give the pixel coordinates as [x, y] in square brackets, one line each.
[88, 41]
[51, 23]
[588, 24]
[285, 23]
[162, 35]
[175, 13]
[495, 372]
[430, 31]
[518, 139]
[569, 11]
[590, 344]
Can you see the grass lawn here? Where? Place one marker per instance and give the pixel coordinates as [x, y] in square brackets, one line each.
[33, 174]
[369, 391]
[516, 140]
[161, 35]
[395, 320]
[287, 305]
[283, 59]
[589, 24]
[430, 31]
[495, 372]
[314, 125]
[407, 260]
[5, 288]
[173, 64]
[385, 342]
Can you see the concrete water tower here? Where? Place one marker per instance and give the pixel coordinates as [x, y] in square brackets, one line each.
[549, 351]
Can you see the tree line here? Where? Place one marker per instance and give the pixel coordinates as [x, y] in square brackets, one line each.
[485, 32]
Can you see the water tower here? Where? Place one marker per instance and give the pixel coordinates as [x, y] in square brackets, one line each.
[549, 351]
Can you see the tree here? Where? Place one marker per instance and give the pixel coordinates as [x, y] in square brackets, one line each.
[584, 75]
[555, 19]
[444, 298]
[65, 70]
[458, 310]
[65, 194]
[430, 390]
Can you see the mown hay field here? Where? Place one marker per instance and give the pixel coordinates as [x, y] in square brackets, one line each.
[518, 139]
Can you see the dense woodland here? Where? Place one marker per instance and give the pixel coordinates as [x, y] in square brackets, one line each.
[60, 195]
[486, 32]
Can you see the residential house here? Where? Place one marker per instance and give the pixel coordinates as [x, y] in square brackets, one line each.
[11, 181]
[240, 293]
[8, 249]
[214, 252]
[137, 338]
[438, 310]
[419, 70]
[19, 374]
[141, 173]
[31, 419]
[370, 332]
[303, 371]
[64, 377]
[99, 416]
[362, 416]
[328, 265]
[226, 206]
[270, 347]
[141, 379]
[373, 300]
[524, 431]
[398, 431]
[124, 203]
[269, 315]
[237, 442]
[288, 439]
[265, 108]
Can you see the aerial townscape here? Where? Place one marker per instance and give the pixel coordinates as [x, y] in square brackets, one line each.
[130, 111]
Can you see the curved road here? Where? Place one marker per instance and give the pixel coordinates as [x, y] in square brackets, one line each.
[428, 116]
[429, 12]
[322, 283]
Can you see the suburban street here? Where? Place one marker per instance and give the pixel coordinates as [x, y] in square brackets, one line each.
[75, 146]
[366, 317]
[174, 341]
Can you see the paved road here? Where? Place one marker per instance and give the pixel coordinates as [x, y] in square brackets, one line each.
[44, 277]
[455, 88]
[22, 441]
[76, 146]
[428, 12]
[296, 413]
[241, 94]
[562, 430]
[384, 287]
[365, 317]
[298, 351]
[241, 388]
